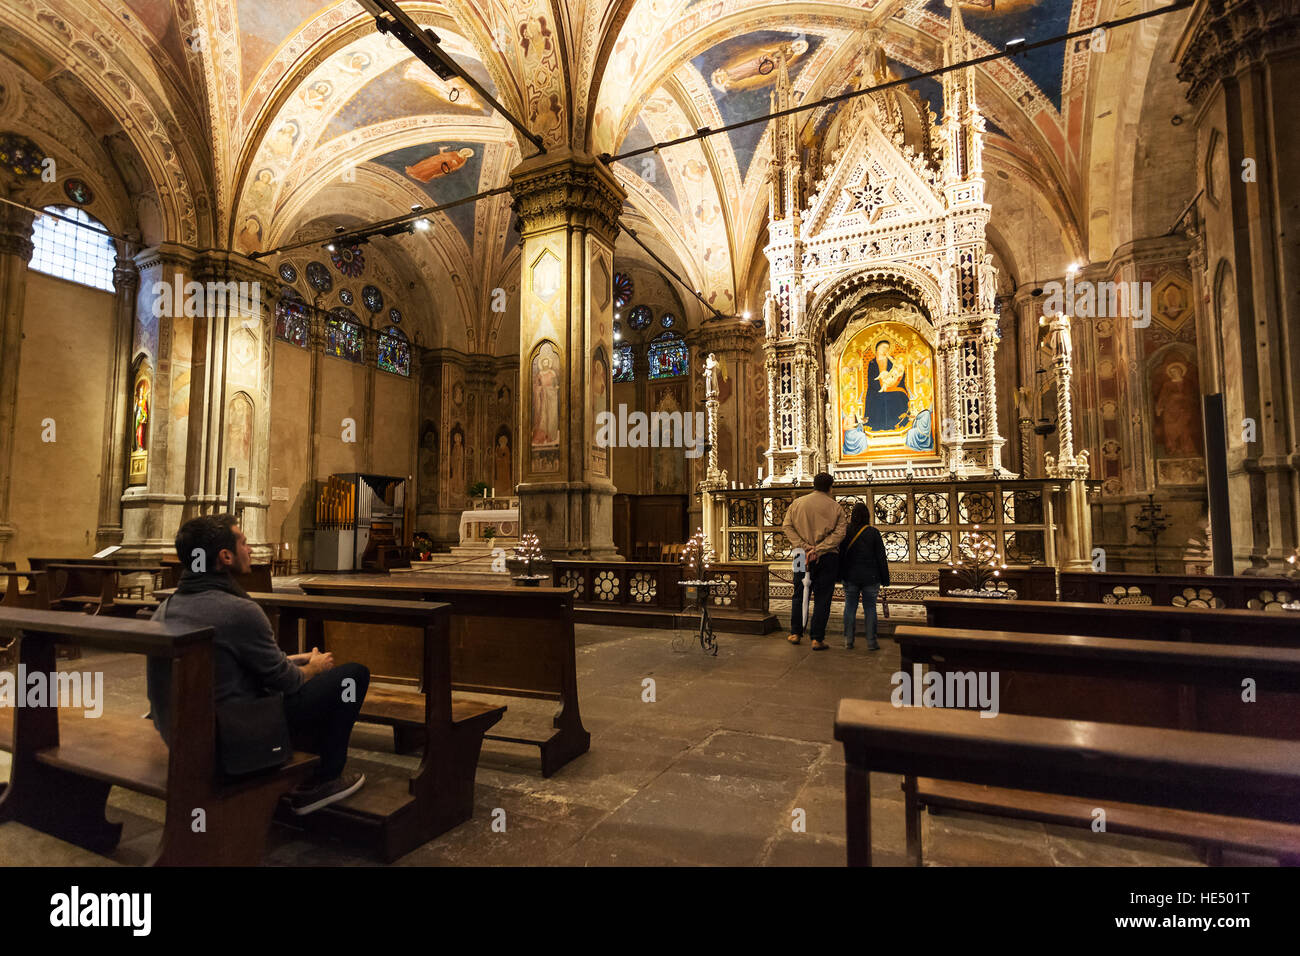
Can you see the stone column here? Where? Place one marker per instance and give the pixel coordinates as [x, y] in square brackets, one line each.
[1240, 59]
[1075, 546]
[212, 394]
[15, 253]
[117, 406]
[568, 207]
[734, 342]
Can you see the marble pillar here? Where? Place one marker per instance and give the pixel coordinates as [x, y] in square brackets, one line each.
[568, 207]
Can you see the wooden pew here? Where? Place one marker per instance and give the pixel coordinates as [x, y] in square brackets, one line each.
[1102, 764]
[1256, 628]
[36, 597]
[1186, 686]
[64, 764]
[509, 642]
[394, 815]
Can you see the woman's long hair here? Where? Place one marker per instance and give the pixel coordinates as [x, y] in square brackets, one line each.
[859, 517]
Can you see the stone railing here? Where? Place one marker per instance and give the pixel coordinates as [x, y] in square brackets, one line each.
[653, 585]
[1178, 590]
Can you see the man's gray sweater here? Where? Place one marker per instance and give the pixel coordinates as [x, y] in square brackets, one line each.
[246, 660]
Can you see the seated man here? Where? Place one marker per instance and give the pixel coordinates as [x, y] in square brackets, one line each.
[249, 663]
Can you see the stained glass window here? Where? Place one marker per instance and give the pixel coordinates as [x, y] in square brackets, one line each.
[288, 273]
[319, 277]
[345, 296]
[623, 363]
[349, 260]
[667, 320]
[344, 337]
[394, 351]
[622, 289]
[373, 298]
[640, 317]
[72, 251]
[291, 319]
[669, 356]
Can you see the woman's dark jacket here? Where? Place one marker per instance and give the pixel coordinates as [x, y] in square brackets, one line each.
[864, 562]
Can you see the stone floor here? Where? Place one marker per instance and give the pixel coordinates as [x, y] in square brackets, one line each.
[712, 771]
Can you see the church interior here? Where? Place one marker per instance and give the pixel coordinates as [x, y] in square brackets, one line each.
[511, 333]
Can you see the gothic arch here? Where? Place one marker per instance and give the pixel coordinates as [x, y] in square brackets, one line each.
[843, 291]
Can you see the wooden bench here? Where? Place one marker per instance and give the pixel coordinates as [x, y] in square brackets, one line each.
[509, 642]
[1256, 628]
[396, 814]
[64, 764]
[1099, 764]
[1186, 686]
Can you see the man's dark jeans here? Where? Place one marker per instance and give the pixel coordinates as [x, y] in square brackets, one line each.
[823, 573]
[321, 720]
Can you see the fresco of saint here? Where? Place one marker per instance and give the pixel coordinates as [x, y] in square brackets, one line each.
[440, 163]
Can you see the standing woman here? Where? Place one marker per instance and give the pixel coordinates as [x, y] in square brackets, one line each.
[864, 568]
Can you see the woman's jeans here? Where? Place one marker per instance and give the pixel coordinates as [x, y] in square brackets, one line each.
[851, 594]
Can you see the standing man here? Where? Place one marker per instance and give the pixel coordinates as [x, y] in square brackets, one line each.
[815, 524]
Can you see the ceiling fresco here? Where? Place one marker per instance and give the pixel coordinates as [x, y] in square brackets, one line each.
[446, 172]
[741, 72]
[1000, 21]
[301, 95]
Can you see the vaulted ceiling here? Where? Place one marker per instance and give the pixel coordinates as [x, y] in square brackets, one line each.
[253, 119]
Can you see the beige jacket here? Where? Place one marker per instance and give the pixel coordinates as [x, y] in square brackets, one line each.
[815, 521]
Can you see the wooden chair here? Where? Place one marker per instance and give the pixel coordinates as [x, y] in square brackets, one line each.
[1100, 764]
[63, 769]
[1168, 684]
[396, 814]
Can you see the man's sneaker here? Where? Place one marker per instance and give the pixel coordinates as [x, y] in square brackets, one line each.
[309, 799]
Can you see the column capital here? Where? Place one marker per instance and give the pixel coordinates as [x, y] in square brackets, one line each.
[125, 275]
[16, 232]
[1224, 36]
[562, 188]
[725, 336]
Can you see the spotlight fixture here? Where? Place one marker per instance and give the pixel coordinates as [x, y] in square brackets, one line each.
[416, 208]
[330, 247]
[1016, 45]
[745, 315]
[421, 225]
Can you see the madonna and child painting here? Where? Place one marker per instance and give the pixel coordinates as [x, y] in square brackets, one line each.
[886, 394]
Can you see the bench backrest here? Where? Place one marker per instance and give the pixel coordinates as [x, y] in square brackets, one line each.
[1184, 770]
[513, 640]
[1257, 628]
[191, 767]
[1189, 686]
[330, 620]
